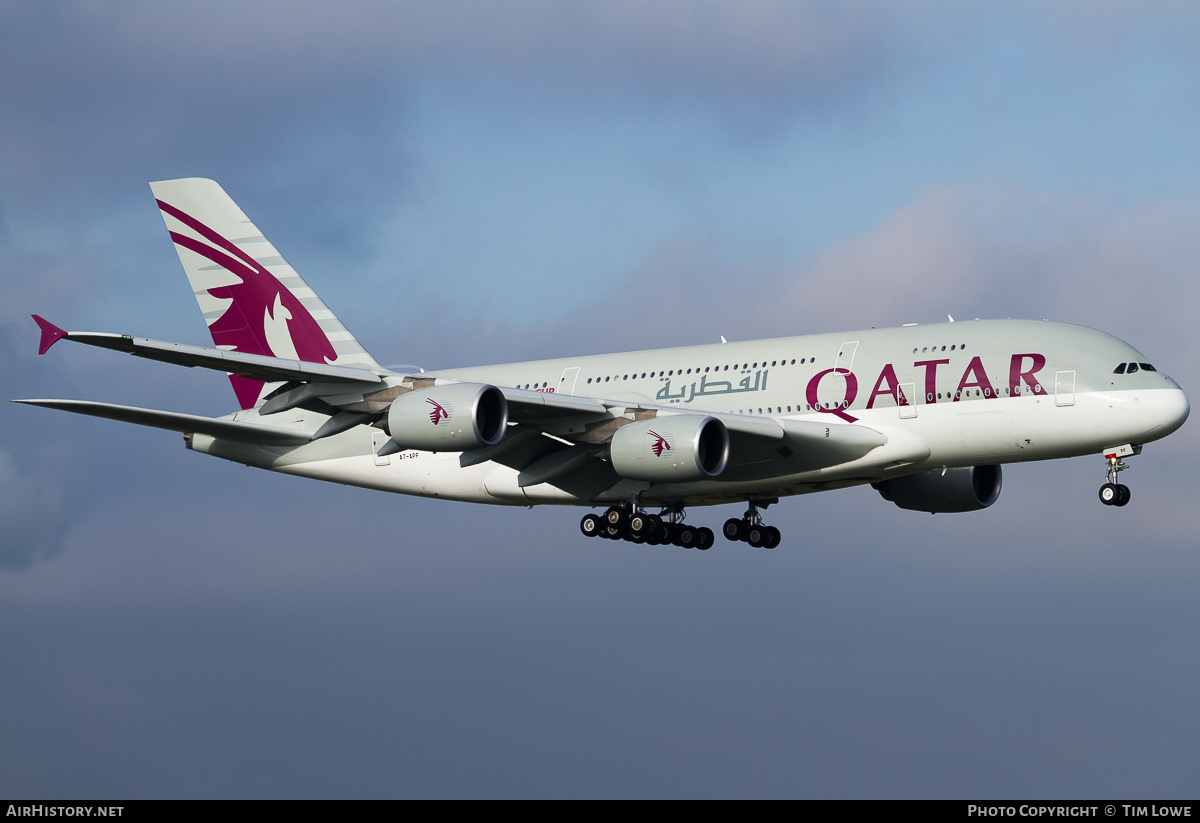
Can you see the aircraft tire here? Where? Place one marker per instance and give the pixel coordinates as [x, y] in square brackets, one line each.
[756, 536]
[773, 537]
[687, 537]
[641, 525]
[615, 517]
[1109, 494]
[590, 525]
[1123, 495]
[706, 538]
[734, 529]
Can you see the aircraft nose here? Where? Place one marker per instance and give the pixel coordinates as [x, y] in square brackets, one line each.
[1175, 409]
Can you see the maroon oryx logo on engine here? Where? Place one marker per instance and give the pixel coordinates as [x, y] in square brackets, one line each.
[439, 413]
[660, 444]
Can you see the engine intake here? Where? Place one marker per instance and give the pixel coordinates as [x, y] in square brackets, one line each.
[966, 489]
[675, 448]
[456, 417]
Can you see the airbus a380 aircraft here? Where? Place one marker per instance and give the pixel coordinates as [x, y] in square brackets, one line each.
[925, 414]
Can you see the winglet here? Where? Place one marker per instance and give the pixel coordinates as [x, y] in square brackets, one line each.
[51, 333]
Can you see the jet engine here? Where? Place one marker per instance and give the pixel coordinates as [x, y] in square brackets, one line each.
[674, 448]
[957, 490]
[453, 418]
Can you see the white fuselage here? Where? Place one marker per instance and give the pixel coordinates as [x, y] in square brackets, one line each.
[946, 395]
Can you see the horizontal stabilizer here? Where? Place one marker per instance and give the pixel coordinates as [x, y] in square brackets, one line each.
[174, 421]
[257, 366]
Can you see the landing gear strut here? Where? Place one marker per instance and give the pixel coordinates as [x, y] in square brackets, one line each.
[752, 530]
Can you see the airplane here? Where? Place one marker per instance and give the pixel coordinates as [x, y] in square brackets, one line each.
[925, 414]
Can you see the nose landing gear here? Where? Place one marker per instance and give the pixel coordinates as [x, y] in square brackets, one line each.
[1113, 493]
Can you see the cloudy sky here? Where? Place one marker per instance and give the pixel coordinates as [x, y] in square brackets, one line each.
[470, 182]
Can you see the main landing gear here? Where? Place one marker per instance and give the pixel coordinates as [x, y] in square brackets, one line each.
[752, 530]
[625, 521]
[1113, 493]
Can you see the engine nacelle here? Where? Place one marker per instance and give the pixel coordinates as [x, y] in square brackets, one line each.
[452, 418]
[958, 490]
[674, 448]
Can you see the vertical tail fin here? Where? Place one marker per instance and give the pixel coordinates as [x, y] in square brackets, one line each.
[251, 299]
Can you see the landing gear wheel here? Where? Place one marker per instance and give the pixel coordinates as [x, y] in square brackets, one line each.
[773, 538]
[643, 525]
[756, 536]
[590, 525]
[1123, 495]
[706, 538]
[615, 517]
[1110, 494]
[687, 536]
[734, 529]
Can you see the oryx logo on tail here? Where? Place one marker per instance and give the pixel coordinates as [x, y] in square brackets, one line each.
[263, 316]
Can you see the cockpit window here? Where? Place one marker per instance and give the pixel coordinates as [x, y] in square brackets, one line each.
[1147, 367]
[1119, 369]
[1132, 368]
